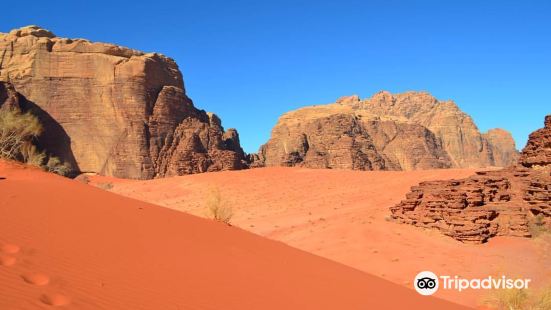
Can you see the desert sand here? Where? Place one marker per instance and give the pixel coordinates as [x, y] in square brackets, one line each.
[340, 215]
[67, 244]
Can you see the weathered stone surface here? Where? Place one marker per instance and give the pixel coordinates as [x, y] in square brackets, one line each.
[113, 110]
[9, 98]
[491, 203]
[501, 147]
[537, 153]
[407, 131]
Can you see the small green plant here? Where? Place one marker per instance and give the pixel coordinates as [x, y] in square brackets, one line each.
[216, 210]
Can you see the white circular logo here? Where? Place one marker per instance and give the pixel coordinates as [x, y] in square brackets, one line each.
[426, 283]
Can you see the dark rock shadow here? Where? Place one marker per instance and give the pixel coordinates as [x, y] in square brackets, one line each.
[54, 139]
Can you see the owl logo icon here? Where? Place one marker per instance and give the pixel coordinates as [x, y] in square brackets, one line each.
[426, 283]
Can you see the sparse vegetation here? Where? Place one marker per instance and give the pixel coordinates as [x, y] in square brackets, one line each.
[538, 227]
[216, 209]
[17, 134]
[32, 156]
[55, 165]
[521, 299]
[105, 186]
[17, 130]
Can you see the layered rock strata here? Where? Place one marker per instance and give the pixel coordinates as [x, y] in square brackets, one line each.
[406, 131]
[507, 202]
[113, 110]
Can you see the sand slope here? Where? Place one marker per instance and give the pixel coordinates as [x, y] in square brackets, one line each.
[341, 214]
[68, 244]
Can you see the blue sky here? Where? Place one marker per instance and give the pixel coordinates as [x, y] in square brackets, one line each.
[251, 61]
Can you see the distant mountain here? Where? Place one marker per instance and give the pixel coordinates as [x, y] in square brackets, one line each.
[406, 131]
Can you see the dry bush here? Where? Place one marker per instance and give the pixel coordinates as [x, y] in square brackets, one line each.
[55, 165]
[32, 156]
[520, 299]
[538, 227]
[216, 209]
[105, 186]
[17, 130]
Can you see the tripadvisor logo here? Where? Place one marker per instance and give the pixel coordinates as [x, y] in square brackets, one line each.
[427, 283]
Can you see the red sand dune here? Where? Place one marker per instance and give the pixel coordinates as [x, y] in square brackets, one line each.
[67, 244]
[340, 215]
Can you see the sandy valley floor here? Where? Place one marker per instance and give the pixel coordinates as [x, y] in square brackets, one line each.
[341, 215]
[68, 245]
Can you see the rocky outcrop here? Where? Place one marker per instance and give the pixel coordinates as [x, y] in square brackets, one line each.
[501, 147]
[492, 203]
[406, 132]
[537, 153]
[114, 110]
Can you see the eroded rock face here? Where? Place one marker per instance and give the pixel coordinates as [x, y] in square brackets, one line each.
[537, 153]
[407, 131]
[114, 110]
[492, 203]
[9, 98]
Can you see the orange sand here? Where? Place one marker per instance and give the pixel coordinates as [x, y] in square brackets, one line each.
[340, 215]
[66, 244]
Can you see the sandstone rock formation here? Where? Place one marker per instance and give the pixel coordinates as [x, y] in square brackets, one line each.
[113, 110]
[537, 153]
[406, 132]
[491, 203]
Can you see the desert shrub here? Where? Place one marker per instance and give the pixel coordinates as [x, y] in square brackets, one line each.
[55, 165]
[17, 130]
[509, 299]
[216, 209]
[537, 226]
[105, 186]
[32, 156]
[520, 299]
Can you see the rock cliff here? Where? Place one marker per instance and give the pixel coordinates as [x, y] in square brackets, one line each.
[507, 202]
[113, 110]
[402, 132]
[537, 153]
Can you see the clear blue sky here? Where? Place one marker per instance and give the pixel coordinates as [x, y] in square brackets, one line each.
[251, 61]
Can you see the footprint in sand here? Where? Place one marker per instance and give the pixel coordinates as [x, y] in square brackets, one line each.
[39, 279]
[10, 248]
[6, 252]
[55, 299]
[7, 260]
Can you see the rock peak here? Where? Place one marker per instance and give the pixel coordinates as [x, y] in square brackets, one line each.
[32, 30]
[348, 100]
[537, 152]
